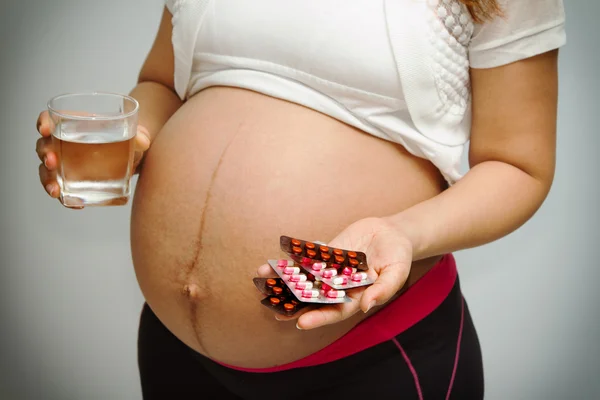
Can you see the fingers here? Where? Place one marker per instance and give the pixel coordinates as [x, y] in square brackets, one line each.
[141, 144]
[327, 315]
[391, 278]
[45, 152]
[265, 271]
[45, 125]
[48, 180]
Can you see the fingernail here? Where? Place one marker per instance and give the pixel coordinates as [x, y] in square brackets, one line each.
[298, 326]
[371, 304]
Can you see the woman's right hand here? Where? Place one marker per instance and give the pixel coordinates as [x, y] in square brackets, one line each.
[49, 157]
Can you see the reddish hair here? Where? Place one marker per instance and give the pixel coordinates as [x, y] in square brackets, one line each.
[483, 10]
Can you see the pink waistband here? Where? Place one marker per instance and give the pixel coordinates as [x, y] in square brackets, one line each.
[411, 307]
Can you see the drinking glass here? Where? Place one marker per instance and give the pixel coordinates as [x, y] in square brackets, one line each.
[93, 138]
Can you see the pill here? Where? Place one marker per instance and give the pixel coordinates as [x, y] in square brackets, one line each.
[277, 290]
[311, 253]
[339, 259]
[271, 282]
[289, 307]
[309, 245]
[347, 271]
[338, 252]
[324, 249]
[296, 242]
[325, 257]
[335, 294]
[326, 287]
[304, 285]
[285, 263]
[306, 261]
[359, 276]
[295, 302]
[274, 301]
[318, 266]
[297, 250]
[310, 293]
[298, 278]
[340, 280]
[291, 270]
[353, 262]
[351, 254]
[329, 273]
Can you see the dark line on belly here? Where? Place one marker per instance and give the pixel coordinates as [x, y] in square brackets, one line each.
[194, 265]
[199, 244]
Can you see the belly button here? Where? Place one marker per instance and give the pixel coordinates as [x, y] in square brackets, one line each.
[193, 292]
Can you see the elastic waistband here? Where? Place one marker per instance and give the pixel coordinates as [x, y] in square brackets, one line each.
[412, 306]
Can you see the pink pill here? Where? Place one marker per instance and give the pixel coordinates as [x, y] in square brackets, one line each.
[329, 273]
[359, 276]
[347, 271]
[304, 285]
[298, 278]
[291, 270]
[325, 287]
[306, 261]
[336, 294]
[310, 293]
[318, 266]
[285, 263]
[340, 280]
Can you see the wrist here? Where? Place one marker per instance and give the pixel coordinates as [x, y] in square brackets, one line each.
[406, 226]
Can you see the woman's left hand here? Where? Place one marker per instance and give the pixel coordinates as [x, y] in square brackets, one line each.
[389, 256]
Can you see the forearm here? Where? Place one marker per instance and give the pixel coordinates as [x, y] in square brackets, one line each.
[492, 200]
[157, 104]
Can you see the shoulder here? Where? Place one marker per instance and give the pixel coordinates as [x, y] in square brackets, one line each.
[526, 29]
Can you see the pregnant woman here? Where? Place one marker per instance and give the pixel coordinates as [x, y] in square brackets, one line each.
[343, 122]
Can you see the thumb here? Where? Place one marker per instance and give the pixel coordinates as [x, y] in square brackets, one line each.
[142, 139]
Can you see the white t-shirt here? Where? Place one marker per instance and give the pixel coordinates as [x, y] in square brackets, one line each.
[396, 69]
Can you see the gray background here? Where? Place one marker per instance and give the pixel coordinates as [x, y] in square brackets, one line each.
[69, 302]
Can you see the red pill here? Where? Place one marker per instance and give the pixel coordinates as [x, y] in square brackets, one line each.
[277, 290]
[297, 250]
[359, 276]
[353, 262]
[340, 280]
[351, 254]
[336, 294]
[318, 266]
[275, 301]
[325, 257]
[298, 278]
[347, 271]
[325, 287]
[311, 253]
[289, 307]
[285, 263]
[339, 259]
[329, 273]
[338, 252]
[296, 242]
[324, 249]
[309, 245]
[295, 302]
[271, 282]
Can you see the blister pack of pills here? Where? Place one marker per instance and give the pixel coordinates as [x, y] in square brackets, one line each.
[279, 297]
[316, 274]
[339, 269]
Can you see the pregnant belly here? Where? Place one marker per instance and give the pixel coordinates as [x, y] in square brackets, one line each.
[229, 173]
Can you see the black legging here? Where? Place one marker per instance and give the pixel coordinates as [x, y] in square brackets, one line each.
[418, 364]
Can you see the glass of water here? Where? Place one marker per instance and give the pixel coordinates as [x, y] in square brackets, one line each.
[93, 138]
